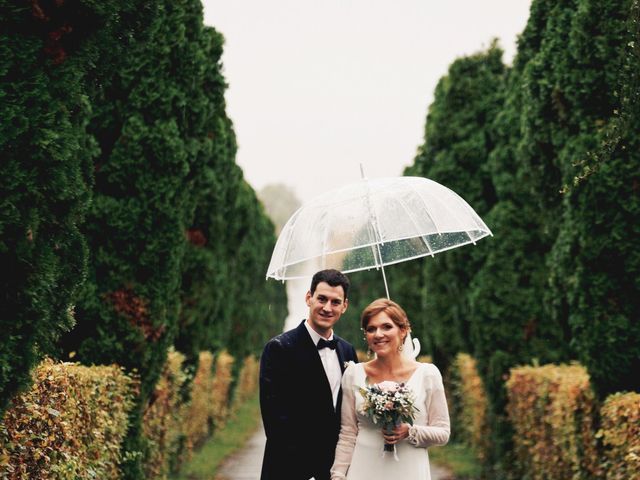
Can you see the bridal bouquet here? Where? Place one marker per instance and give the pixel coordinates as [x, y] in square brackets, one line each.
[388, 404]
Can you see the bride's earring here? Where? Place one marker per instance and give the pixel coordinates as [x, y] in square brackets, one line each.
[369, 352]
[401, 346]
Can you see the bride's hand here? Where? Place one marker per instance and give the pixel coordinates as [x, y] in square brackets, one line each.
[398, 433]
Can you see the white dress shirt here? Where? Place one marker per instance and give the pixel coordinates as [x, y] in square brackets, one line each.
[330, 362]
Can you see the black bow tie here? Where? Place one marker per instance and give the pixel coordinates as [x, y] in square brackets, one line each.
[327, 343]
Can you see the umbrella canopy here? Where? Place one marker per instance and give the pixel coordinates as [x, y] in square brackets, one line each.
[371, 224]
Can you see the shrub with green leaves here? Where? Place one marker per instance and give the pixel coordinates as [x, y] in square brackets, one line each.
[458, 139]
[45, 52]
[595, 264]
[152, 104]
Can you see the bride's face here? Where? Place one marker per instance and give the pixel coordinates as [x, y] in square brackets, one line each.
[383, 336]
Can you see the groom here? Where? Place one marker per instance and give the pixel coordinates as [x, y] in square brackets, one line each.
[300, 397]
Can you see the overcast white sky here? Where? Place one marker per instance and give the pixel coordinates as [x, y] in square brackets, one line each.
[317, 87]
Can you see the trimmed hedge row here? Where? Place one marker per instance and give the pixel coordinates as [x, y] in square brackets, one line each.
[247, 381]
[198, 419]
[69, 425]
[72, 422]
[221, 389]
[552, 410]
[468, 405]
[620, 434]
[162, 422]
[555, 414]
[174, 427]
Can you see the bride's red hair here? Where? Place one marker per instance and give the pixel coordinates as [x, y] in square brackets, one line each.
[391, 308]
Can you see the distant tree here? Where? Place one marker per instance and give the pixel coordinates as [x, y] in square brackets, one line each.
[280, 202]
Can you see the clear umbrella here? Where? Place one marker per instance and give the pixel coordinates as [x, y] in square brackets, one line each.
[371, 224]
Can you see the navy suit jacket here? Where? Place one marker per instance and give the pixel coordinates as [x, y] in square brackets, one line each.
[299, 419]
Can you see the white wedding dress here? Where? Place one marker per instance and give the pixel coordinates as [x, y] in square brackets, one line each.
[360, 446]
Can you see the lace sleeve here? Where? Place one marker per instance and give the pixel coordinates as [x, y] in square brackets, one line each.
[348, 428]
[437, 429]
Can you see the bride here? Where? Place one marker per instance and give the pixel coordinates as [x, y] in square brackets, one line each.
[359, 453]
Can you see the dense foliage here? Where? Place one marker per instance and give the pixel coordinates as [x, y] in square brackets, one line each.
[552, 409]
[620, 433]
[122, 197]
[546, 151]
[458, 140]
[68, 424]
[595, 259]
[46, 181]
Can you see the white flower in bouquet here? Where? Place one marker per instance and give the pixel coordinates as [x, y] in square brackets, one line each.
[388, 404]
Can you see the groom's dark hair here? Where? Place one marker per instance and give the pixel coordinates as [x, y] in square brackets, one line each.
[333, 277]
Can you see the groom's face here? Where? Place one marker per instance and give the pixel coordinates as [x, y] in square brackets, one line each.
[326, 305]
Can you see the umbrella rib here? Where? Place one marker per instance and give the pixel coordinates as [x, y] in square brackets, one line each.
[426, 207]
[453, 213]
[415, 224]
[324, 243]
[289, 226]
[474, 215]
[457, 217]
[378, 237]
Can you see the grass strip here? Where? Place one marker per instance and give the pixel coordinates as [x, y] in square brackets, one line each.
[205, 462]
[459, 459]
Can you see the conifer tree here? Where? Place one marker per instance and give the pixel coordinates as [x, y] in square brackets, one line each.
[559, 97]
[458, 140]
[148, 121]
[46, 179]
[594, 265]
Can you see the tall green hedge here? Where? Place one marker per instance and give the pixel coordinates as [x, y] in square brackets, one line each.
[458, 140]
[258, 306]
[226, 302]
[509, 324]
[127, 313]
[46, 179]
[206, 303]
[595, 265]
[556, 180]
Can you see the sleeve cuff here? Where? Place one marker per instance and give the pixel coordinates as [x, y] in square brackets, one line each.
[413, 432]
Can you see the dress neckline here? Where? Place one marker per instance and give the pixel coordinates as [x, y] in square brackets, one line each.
[413, 374]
